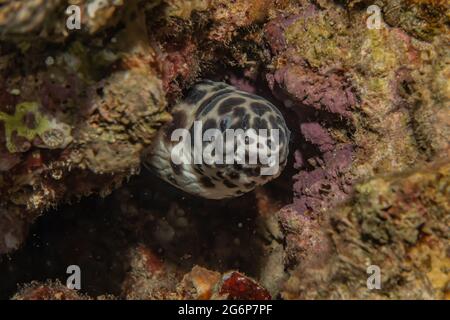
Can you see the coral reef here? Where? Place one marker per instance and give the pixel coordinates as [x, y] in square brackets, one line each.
[48, 291]
[398, 222]
[366, 183]
[96, 107]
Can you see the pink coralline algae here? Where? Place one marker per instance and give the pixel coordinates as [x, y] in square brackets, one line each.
[325, 185]
[324, 100]
[275, 33]
[298, 84]
[323, 162]
[276, 28]
[315, 134]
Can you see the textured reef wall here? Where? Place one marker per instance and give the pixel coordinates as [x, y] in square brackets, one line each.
[369, 155]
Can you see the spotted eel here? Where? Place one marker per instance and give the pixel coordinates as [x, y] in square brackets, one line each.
[218, 106]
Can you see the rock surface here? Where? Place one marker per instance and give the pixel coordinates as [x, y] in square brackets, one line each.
[367, 182]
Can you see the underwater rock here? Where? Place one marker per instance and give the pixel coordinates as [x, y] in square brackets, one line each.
[49, 291]
[330, 92]
[48, 20]
[360, 82]
[21, 18]
[236, 286]
[198, 284]
[76, 121]
[424, 19]
[366, 182]
[52, 290]
[327, 184]
[365, 124]
[430, 118]
[398, 223]
[30, 127]
[149, 277]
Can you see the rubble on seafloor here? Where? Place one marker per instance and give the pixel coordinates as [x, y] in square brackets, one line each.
[367, 182]
[200, 283]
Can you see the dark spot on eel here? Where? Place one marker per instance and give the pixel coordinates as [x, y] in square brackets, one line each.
[229, 184]
[210, 102]
[176, 168]
[195, 95]
[228, 104]
[259, 108]
[178, 121]
[206, 182]
[209, 124]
